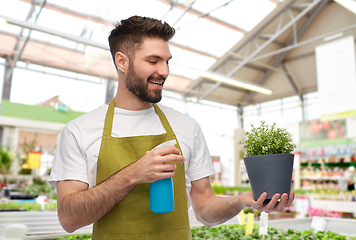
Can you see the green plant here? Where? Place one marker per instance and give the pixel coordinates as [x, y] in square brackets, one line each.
[40, 187]
[267, 139]
[30, 206]
[9, 206]
[237, 232]
[5, 162]
[52, 206]
[77, 237]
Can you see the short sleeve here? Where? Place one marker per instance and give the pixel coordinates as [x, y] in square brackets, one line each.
[69, 158]
[200, 165]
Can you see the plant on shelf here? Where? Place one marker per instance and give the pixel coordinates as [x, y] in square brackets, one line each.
[39, 187]
[268, 159]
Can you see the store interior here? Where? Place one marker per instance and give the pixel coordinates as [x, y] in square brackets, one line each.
[235, 64]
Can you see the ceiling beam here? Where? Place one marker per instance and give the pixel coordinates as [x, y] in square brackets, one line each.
[292, 46]
[296, 90]
[93, 18]
[202, 15]
[18, 49]
[252, 66]
[254, 33]
[280, 58]
[280, 29]
[70, 12]
[33, 26]
[250, 36]
[52, 60]
[277, 34]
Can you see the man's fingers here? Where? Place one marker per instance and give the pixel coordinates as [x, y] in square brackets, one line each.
[167, 150]
[169, 167]
[260, 200]
[290, 200]
[173, 158]
[278, 202]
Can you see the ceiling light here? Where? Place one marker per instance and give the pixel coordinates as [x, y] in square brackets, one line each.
[348, 4]
[218, 77]
[234, 82]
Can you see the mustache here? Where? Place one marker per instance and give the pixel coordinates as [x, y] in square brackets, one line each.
[156, 78]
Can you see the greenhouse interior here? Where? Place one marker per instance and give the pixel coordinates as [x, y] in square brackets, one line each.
[237, 69]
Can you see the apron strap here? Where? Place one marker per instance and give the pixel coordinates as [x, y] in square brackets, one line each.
[166, 124]
[163, 119]
[109, 119]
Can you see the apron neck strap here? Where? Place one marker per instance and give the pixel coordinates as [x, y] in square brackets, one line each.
[163, 119]
[109, 118]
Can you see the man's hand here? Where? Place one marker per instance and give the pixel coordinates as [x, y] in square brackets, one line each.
[79, 206]
[155, 165]
[275, 205]
[212, 210]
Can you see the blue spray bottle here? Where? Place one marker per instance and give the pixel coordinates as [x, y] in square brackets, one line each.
[161, 191]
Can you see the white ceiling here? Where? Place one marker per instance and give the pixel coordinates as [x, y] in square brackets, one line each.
[265, 42]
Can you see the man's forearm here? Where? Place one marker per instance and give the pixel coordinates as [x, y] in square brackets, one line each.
[219, 210]
[88, 206]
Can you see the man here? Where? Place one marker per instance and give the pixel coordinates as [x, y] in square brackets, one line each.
[103, 163]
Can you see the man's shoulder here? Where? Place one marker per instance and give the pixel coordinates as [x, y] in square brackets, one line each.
[172, 111]
[174, 115]
[93, 116]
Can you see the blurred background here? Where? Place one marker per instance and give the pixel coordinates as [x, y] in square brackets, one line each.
[235, 63]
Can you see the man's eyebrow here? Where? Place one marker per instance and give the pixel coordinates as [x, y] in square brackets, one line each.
[159, 57]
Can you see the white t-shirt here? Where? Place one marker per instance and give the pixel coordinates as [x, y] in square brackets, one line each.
[78, 147]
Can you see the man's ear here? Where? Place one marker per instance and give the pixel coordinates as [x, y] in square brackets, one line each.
[121, 61]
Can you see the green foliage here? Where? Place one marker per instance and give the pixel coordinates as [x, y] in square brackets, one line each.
[267, 139]
[237, 232]
[31, 206]
[5, 158]
[24, 171]
[223, 190]
[26, 206]
[52, 206]
[10, 206]
[40, 187]
[76, 237]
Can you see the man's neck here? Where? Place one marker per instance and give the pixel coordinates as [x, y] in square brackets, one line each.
[132, 105]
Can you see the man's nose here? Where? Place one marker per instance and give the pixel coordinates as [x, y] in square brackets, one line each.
[163, 70]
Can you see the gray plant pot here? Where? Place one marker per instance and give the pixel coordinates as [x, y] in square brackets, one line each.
[270, 173]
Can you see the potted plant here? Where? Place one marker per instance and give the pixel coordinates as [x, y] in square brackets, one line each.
[268, 160]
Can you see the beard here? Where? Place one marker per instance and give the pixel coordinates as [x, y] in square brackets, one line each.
[138, 86]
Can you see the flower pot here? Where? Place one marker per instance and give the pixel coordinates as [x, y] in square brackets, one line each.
[271, 173]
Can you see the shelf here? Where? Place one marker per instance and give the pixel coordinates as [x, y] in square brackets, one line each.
[323, 178]
[329, 164]
[337, 206]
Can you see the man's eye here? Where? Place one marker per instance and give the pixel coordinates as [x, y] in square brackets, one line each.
[153, 62]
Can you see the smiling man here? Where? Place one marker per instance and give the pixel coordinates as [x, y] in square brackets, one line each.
[104, 160]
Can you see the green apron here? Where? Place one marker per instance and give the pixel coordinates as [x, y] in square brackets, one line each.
[131, 218]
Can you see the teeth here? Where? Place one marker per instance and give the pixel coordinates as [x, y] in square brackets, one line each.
[157, 83]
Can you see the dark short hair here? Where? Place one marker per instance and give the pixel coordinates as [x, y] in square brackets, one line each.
[128, 34]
